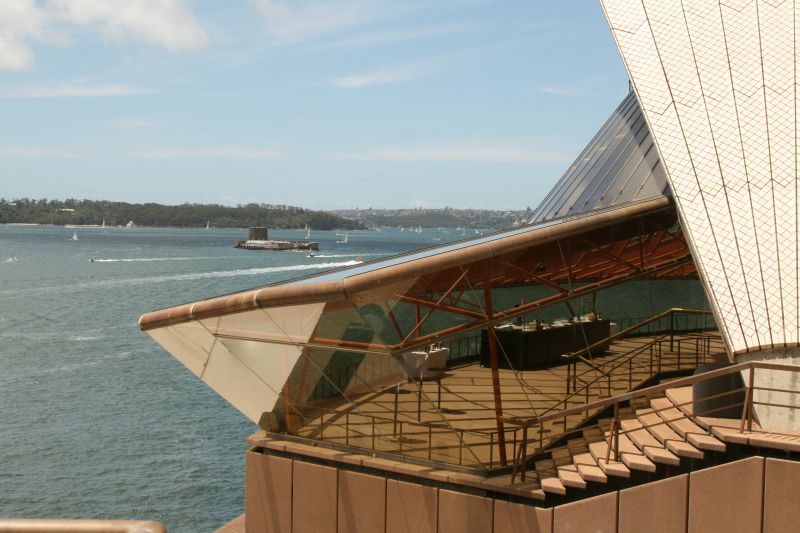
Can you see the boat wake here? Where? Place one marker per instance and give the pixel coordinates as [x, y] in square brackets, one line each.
[188, 277]
[245, 272]
[82, 338]
[326, 256]
[151, 259]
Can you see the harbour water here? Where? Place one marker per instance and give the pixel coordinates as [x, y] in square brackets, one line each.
[97, 421]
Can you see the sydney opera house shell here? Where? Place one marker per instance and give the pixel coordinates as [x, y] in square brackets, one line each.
[623, 362]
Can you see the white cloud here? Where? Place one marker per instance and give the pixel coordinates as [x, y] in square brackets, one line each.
[20, 21]
[225, 152]
[72, 90]
[464, 152]
[37, 152]
[409, 70]
[168, 24]
[559, 90]
[384, 76]
[394, 36]
[135, 123]
[296, 22]
[14, 53]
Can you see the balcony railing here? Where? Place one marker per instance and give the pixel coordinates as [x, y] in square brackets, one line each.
[723, 401]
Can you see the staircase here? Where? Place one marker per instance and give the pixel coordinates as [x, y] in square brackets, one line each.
[653, 432]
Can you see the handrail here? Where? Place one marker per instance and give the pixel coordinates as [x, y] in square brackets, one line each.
[18, 525]
[605, 370]
[622, 333]
[745, 423]
[680, 382]
[620, 360]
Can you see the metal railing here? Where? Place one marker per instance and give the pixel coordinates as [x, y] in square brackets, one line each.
[648, 326]
[700, 321]
[665, 352]
[338, 379]
[678, 349]
[463, 348]
[79, 526]
[746, 421]
[397, 435]
[405, 433]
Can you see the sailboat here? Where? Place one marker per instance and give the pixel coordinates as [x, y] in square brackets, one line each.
[208, 224]
[344, 240]
[103, 225]
[308, 232]
[74, 236]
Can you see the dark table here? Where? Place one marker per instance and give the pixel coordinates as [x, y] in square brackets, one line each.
[528, 348]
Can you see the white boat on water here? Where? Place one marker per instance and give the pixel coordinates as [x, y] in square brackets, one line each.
[12, 259]
[74, 236]
[208, 224]
[308, 232]
[344, 239]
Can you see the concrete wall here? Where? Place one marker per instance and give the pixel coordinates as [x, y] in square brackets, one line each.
[775, 417]
[750, 495]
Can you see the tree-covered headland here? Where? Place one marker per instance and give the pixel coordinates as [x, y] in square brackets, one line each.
[90, 212]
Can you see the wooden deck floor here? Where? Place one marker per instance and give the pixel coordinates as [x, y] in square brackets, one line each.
[453, 420]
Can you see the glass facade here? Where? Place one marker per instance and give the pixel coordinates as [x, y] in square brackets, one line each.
[394, 358]
[619, 165]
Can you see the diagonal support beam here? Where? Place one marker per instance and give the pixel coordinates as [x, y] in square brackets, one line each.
[614, 257]
[535, 277]
[438, 303]
[440, 306]
[671, 262]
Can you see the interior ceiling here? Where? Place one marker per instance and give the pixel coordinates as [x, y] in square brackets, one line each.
[646, 247]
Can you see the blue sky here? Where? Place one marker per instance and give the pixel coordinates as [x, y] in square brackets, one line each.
[320, 103]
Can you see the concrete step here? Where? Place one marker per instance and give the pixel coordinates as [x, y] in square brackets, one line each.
[687, 429]
[588, 468]
[599, 451]
[666, 435]
[570, 477]
[548, 477]
[631, 455]
[646, 442]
